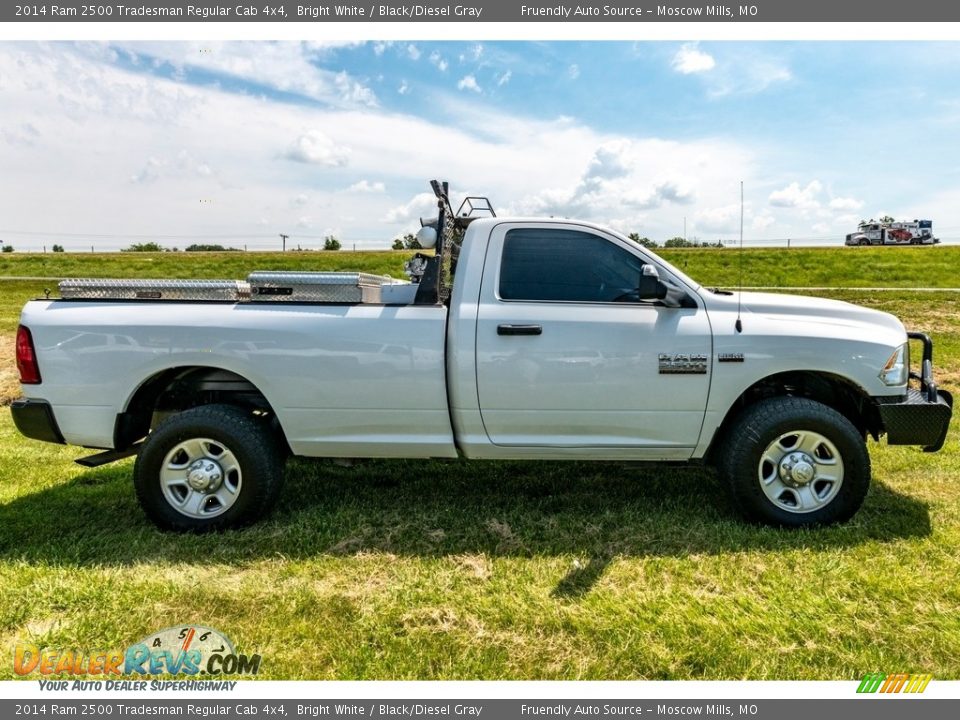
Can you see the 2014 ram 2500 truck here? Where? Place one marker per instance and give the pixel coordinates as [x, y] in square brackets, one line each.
[558, 340]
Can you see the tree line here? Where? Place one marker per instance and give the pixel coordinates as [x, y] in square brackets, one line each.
[405, 242]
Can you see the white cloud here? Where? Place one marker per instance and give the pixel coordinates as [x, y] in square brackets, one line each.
[504, 78]
[100, 124]
[845, 203]
[610, 160]
[364, 186]
[437, 59]
[150, 172]
[747, 74]
[622, 177]
[20, 134]
[413, 52]
[420, 205]
[316, 148]
[723, 220]
[469, 82]
[284, 66]
[821, 228]
[690, 59]
[573, 71]
[404, 88]
[850, 221]
[182, 165]
[793, 196]
[762, 222]
[662, 192]
[300, 200]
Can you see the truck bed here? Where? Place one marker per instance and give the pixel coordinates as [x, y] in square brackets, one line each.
[341, 380]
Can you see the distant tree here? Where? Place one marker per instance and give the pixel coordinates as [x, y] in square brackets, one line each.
[58, 248]
[410, 242]
[8, 248]
[209, 248]
[645, 241]
[144, 247]
[887, 219]
[331, 243]
[398, 244]
[679, 242]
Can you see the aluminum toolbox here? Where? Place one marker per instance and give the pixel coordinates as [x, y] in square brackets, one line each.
[193, 290]
[398, 293]
[324, 287]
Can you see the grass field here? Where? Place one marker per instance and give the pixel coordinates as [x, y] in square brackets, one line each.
[816, 267]
[397, 569]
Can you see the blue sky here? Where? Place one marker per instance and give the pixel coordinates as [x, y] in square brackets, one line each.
[235, 142]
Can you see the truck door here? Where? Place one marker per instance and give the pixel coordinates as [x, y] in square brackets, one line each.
[568, 356]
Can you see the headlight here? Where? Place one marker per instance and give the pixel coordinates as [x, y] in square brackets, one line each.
[897, 369]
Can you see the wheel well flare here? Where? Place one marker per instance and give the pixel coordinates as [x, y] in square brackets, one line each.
[179, 389]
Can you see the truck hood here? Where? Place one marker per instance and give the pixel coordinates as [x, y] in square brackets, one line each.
[805, 309]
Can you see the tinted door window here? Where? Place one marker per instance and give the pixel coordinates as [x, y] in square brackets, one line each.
[566, 265]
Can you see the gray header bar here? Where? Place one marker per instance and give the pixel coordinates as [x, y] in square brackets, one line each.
[633, 11]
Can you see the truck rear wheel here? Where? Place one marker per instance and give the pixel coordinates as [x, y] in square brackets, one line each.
[794, 462]
[208, 468]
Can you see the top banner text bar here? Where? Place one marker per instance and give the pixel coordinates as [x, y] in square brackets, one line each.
[472, 11]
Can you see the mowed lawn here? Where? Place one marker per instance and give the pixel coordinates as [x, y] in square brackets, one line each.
[403, 569]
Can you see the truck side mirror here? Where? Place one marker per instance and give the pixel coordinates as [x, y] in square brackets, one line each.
[650, 287]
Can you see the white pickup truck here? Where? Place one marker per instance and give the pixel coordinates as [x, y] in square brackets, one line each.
[558, 340]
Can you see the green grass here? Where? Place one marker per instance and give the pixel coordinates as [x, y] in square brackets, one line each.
[402, 569]
[212, 266]
[924, 266]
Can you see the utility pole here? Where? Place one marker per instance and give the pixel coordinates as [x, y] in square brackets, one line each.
[284, 237]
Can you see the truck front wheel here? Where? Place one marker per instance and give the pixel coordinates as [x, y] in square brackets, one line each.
[208, 468]
[795, 462]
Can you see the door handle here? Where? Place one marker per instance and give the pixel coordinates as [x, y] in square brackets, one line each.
[519, 330]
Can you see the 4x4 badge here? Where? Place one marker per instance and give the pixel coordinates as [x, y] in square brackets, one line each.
[729, 357]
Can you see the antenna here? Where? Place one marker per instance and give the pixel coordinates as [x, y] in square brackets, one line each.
[739, 323]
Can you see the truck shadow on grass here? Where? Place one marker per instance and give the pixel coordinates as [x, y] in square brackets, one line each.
[593, 511]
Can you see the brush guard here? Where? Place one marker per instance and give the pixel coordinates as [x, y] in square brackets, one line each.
[922, 416]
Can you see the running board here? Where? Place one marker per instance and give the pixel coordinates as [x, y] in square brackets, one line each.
[109, 456]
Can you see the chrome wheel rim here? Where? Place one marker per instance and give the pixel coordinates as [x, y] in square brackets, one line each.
[201, 478]
[801, 471]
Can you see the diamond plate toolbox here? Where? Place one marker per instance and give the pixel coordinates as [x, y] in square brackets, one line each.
[323, 287]
[194, 290]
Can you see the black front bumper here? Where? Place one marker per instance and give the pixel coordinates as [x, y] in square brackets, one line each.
[917, 421]
[922, 417]
[34, 418]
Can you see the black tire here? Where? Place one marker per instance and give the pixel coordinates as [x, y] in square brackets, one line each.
[742, 463]
[254, 468]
